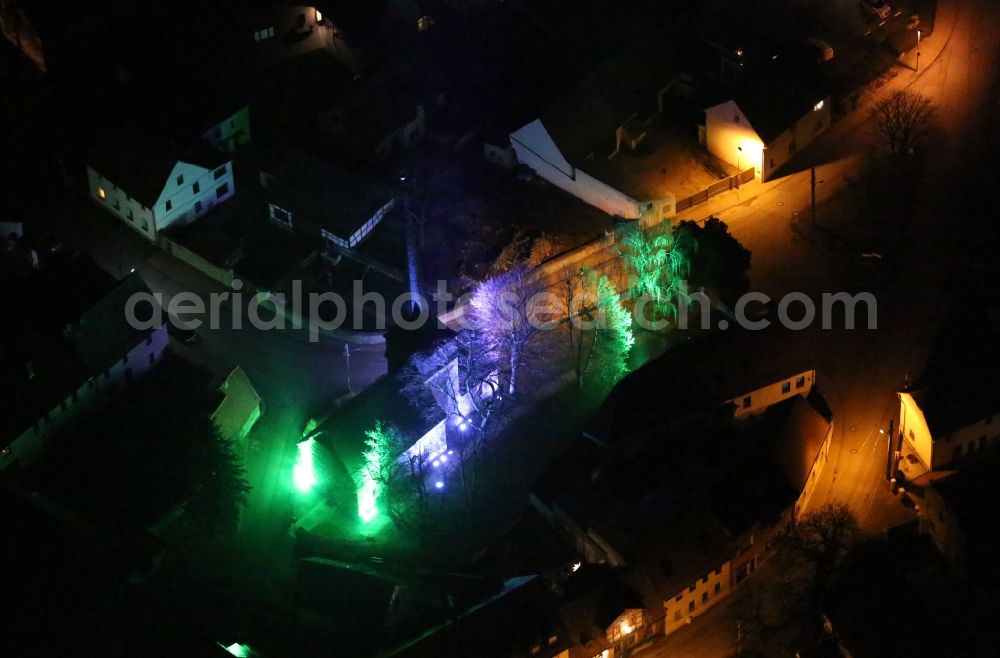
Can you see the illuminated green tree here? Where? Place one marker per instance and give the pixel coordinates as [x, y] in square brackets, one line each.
[657, 267]
[386, 483]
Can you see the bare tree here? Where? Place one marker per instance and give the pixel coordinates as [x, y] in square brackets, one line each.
[504, 313]
[903, 121]
[818, 543]
[455, 381]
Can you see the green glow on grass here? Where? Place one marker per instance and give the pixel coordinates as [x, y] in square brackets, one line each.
[304, 472]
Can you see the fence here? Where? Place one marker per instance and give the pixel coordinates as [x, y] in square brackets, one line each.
[223, 275]
[718, 187]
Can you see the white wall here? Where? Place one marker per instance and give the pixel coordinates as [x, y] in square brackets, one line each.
[117, 202]
[915, 431]
[814, 474]
[760, 399]
[937, 452]
[535, 148]
[139, 360]
[727, 130]
[799, 135]
[183, 198]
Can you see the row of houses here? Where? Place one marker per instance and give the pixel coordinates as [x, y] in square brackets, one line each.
[69, 346]
[769, 107]
[664, 506]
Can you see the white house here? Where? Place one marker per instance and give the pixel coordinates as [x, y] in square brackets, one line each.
[151, 183]
[766, 139]
[72, 366]
[602, 117]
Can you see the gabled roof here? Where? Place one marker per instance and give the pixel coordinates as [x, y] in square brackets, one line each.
[698, 377]
[774, 88]
[959, 385]
[714, 480]
[60, 327]
[139, 159]
[343, 433]
[240, 402]
[102, 335]
[332, 197]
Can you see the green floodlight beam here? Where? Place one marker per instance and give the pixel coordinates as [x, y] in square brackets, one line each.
[304, 472]
[368, 494]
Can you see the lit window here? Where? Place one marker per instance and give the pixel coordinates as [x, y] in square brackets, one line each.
[101, 193]
[424, 23]
[818, 106]
[553, 639]
[319, 15]
[6, 451]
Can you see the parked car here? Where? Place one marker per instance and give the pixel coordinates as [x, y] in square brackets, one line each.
[877, 8]
[176, 329]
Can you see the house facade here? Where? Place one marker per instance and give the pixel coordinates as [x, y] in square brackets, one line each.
[188, 192]
[760, 399]
[102, 353]
[240, 408]
[937, 437]
[731, 136]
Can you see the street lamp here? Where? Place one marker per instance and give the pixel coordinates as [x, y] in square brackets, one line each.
[917, 67]
[739, 150]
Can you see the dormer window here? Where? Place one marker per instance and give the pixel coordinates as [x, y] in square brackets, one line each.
[101, 193]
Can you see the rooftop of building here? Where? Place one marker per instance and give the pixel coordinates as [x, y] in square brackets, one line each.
[680, 497]
[138, 157]
[332, 196]
[64, 325]
[343, 432]
[959, 385]
[697, 377]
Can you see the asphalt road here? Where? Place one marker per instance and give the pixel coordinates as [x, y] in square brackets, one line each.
[859, 372]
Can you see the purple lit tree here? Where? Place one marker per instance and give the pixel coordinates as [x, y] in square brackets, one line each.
[502, 313]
